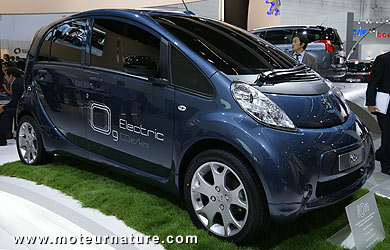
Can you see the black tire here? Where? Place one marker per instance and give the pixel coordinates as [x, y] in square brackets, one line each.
[29, 143]
[251, 218]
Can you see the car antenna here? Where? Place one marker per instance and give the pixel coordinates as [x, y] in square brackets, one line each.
[324, 21]
[188, 12]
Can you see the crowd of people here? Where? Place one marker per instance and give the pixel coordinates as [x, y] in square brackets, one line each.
[11, 88]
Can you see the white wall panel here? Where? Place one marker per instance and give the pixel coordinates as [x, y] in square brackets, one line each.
[23, 27]
[207, 8]
[334, 20]
[70, 6]
[294, 10]
[297, 11]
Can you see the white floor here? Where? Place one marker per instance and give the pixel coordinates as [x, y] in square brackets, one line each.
[8, 153]
[27, 209]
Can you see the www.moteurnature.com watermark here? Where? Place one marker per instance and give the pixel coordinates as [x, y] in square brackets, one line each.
[104, 240]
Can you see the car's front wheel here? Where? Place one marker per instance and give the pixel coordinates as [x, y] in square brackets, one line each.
[224, 196]
[29, 142]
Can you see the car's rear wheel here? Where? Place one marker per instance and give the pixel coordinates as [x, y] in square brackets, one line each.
[224, 196]
[29, 143]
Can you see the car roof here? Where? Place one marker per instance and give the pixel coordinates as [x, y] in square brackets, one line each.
[144, 11]
[290, 27]
[134, 14]
[141, 15]
[126, 12]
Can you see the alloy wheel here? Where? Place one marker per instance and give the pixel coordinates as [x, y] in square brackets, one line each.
[219, 199]
[28, 143]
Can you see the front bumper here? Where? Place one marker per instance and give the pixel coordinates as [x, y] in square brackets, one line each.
[330, 187]
[300, 171]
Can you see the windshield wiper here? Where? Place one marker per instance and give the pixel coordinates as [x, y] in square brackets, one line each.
[276, 74]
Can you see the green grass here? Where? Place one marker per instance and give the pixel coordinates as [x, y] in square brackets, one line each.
[152, 212]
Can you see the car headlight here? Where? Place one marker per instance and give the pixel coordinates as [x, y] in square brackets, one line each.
[337, 92]
[259, 106]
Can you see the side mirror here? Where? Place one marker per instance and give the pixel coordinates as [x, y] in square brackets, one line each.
[140, 65]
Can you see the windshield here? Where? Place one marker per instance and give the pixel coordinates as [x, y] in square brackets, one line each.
[230, 49]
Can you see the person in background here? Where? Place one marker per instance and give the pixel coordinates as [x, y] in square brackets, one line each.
[299, 44]
[7, 112]
[2, 90]
[4, 83]
[20, 64]
[6, 57]
[21, 73]
[380, 82]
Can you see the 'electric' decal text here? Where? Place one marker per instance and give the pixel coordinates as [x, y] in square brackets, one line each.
[123, 124]
[99, 119]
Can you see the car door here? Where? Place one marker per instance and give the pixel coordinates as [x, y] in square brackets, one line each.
[129, 119]
[58, 76]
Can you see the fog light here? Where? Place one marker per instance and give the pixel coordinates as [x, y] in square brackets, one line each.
[307, 192]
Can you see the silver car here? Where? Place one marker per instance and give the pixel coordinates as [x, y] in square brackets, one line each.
[325, 45]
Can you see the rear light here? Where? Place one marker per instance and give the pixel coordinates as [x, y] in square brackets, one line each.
[328, 45]
[369, 74]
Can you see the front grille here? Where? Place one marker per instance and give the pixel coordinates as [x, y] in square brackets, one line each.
[304, 77]
[299, 77]
[330, 187]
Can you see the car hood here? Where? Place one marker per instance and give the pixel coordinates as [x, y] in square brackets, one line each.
[308, 101]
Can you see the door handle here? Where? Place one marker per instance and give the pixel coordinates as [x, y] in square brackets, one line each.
[95, 82]
[42, 73]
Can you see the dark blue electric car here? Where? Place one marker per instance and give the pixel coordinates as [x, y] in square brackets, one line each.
[195, 106]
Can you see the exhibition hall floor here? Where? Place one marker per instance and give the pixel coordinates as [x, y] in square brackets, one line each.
[27, 209]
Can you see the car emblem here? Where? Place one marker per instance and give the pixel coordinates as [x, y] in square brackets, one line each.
[353, 158]
[326, 103]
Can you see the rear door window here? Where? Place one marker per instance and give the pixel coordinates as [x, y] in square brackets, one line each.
[121, 46]
[67, 42]
[279, 36]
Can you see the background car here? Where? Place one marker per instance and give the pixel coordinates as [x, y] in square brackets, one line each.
[357, 71]
[325, 45]
[196, 107]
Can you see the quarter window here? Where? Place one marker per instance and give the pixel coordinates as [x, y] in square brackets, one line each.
[312, 34]
[185, 74]
[44, 53]
[261, 34]
[124, 47]
[67, 42]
